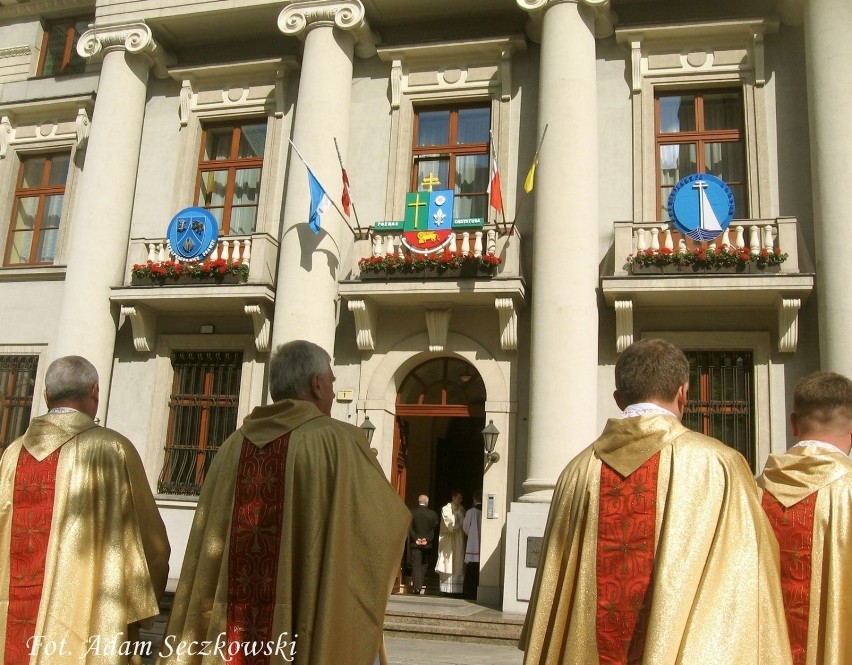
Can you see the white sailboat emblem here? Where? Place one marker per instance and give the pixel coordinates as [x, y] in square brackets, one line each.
[708, 222]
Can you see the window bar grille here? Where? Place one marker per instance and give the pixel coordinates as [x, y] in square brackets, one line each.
[203, 412]
[721, 399]
[17, 382]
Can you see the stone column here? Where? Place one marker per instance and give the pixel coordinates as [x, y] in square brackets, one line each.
[100, 222]
[309, 265]
[564, 311]
[828, 55]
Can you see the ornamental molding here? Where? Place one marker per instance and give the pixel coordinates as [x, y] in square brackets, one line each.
[711, 48]
[302, 16]
[16, 9]
[236, 87]
[134, 38]
[44, 124]
[15, 52]
[605, 18]
[458, 67]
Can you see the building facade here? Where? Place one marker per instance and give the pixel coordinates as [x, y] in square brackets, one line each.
[117, 115]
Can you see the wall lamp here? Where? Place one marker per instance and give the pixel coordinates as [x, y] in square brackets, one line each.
[369, 429]
[490, 434]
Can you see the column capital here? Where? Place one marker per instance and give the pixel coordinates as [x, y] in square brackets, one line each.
[300, 17]
[605, 18]
[131, 37]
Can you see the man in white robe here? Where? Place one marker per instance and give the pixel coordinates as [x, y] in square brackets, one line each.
[450, 566]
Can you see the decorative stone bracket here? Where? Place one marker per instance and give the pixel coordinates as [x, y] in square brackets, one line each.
[365, 324]
[623, 324]
[788, 324]
[262, 326]
[144, 323]
[508, 314]
[438, 324]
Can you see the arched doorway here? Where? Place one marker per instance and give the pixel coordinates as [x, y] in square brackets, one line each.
[440, 414]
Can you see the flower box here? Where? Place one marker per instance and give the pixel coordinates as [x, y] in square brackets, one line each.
[161, 273]
[446, 265]
[723, 259]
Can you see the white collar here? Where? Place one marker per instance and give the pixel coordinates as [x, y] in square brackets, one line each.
[63, 409]
[822, 445]
[646, 409]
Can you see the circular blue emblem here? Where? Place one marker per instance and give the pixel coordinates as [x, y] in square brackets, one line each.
[193, 234]
[701, 206]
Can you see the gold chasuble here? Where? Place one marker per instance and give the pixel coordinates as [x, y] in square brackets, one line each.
[656, 551]
[83, 550]
[808, 497]
[294, 548]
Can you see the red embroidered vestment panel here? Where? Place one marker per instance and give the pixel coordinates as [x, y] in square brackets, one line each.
[255, 544]
[625, 561]
[32, 512]
[794, 529]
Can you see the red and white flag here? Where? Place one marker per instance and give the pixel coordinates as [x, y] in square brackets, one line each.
[346, 197]
[495, 195]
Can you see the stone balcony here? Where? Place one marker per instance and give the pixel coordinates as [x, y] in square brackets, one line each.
[784, 287]
[437, 293]
[142, 301]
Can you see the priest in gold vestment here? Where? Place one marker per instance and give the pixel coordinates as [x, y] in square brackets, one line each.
[297, 537]
[83, 551]
[656, 550]
[807, 494]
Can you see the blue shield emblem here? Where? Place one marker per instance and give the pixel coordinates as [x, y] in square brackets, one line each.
[192, 234]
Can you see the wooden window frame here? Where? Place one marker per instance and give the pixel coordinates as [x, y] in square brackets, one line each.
[232, 165]
[43, 191]
[699, 137]
[450, 150]
[69, 54]
[207, 401]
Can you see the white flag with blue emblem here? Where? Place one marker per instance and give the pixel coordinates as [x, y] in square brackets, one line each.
[319, 202]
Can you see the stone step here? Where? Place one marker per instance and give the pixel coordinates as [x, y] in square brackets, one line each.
[458, 621]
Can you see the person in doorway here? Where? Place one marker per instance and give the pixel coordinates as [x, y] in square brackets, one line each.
[85, 553]
[472, 527]
[285, 552]
[421, 539]
[450, 566]
[807, 494]
[656, 548]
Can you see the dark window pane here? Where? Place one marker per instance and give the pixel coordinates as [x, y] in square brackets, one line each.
[723, 110]
[725, 160]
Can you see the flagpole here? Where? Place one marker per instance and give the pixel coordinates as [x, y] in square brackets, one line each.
[524, 195]
[331, 200]
[494, 157]
[351, 202]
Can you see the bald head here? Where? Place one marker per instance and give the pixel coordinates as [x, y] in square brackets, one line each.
[423, 500]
